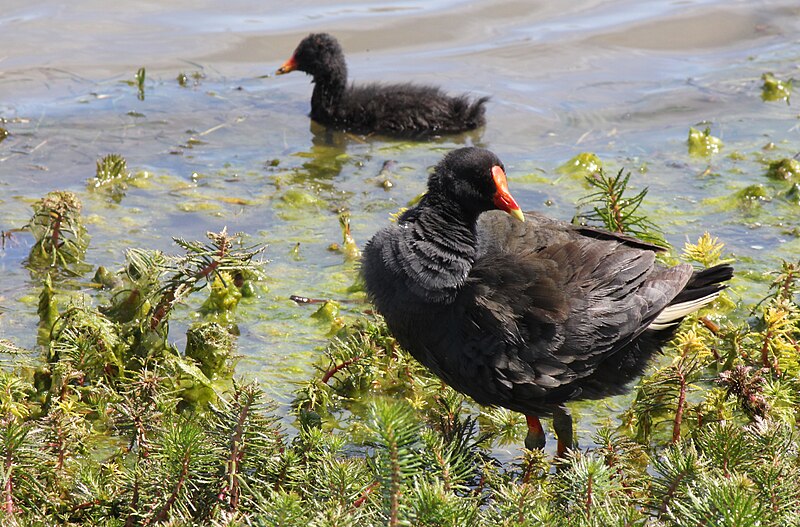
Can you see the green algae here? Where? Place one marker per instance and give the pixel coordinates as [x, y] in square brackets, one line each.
[746, 200]
[786, 169]
[703, 144]
[198, 206]
[329, 313]
[753, 193]
[582, 165]
[298, 199]
[774, 89]
[792, 195]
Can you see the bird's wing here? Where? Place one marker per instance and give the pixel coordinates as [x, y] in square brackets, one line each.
[630, 241]
[551, 303]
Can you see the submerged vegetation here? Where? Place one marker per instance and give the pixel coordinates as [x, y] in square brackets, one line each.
[775, 89]
[703, 144]
[107, 422]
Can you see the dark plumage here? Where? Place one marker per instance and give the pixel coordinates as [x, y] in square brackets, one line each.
[396, 109]
[524, 315]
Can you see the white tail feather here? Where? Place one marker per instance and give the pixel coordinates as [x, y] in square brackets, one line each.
[673, 314]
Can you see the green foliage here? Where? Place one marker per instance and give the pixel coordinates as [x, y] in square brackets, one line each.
[47, 310]
[707, 251]
[60, 236]
[115, 426]
[212, 347]
[394, 431]
[111, 177]
[613, 210]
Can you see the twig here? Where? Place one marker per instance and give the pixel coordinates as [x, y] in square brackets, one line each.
[339, 367]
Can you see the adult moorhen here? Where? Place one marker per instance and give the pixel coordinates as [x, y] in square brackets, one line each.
[519, 310]
[404, 110]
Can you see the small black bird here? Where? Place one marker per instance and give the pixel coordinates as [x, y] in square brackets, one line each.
[404, 110]
[520, 310]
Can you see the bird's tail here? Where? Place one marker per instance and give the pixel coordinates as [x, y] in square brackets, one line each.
[703, 287]
[471, 113]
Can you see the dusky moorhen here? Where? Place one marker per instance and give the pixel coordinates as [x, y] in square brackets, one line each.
[404, 110]
[519, 310]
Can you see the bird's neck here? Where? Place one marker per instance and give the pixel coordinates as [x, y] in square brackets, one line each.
[330, 83]
[440, 243]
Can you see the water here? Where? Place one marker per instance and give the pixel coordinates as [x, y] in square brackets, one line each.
[622, 79]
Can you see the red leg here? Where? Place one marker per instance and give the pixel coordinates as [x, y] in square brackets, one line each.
[561, 449]
[562, 425]
[535, 438]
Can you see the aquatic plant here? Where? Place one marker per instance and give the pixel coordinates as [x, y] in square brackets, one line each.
[139, 79]
[111, 425]
[112, 177]
[57, 227]
[585, 164]
[349, 245]
[703, 144]
[787, 169]
[615, 211]
[195, 77]
[774, 89]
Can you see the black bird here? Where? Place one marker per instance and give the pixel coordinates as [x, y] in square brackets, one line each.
[519, 310]
[404, 110]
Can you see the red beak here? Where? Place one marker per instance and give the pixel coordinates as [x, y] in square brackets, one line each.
[289, 65]
[502, 197]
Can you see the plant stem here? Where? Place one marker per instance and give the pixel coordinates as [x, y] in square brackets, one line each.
[676, 427]
[162, 514]
[8, 488]
[337, 368]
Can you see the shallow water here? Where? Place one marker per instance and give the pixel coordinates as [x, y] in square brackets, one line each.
[623, 79]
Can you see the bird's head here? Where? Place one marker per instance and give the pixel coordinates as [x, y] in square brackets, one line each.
[476, 179]
[312, 54]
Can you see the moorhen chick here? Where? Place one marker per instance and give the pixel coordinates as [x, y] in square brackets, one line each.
[404, 110]
[519, 310]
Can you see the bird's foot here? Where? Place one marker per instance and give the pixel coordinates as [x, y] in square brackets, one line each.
[535, 439]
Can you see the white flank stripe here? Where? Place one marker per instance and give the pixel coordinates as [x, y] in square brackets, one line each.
[674, 313]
